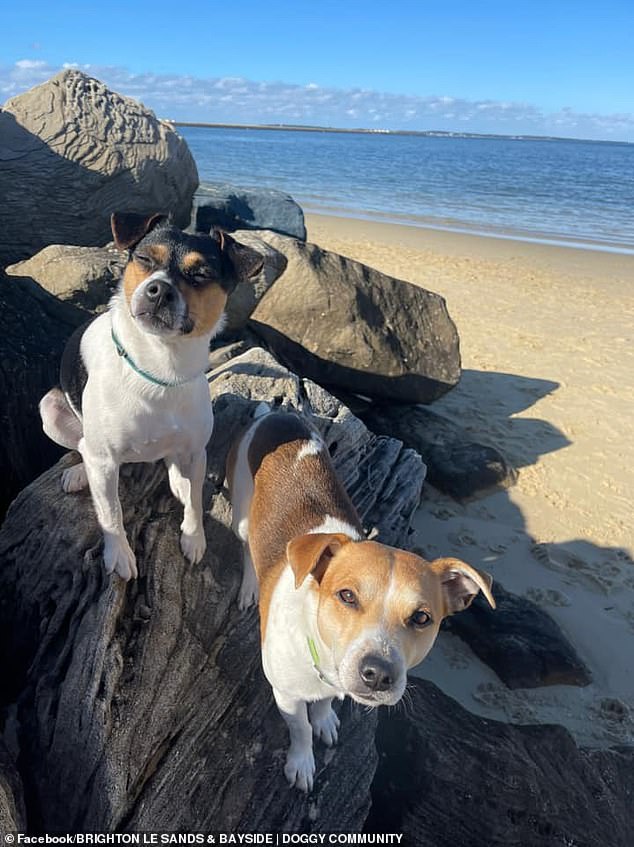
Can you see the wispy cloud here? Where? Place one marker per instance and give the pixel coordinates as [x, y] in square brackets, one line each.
[234, 99]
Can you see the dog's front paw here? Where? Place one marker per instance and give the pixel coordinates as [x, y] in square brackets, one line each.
[74, 478]
[193, 545]
[299, 769]
[119, 558]
[326, 727]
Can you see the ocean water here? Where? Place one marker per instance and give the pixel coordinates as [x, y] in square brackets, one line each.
[570, 192]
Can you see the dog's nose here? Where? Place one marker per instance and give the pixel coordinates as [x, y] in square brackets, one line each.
[159, 292]
[376, 673]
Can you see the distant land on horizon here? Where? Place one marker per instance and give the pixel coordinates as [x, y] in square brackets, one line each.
[429, 133]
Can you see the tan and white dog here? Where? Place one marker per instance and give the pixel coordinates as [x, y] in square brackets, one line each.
[133, 386]
[339, 615]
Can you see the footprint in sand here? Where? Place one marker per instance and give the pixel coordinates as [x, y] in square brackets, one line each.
[443, 514]
[453, 652]
[461, 539]
[597, 574]
[484, 513]
[616, 718]
[614, 710]
[624, 556]
[512, 703]
[548, 597]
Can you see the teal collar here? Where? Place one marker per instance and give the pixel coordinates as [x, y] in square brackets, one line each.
[315, 657]
[150, 378]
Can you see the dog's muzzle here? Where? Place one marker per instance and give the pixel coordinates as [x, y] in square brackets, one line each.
[160, 293]
[159, 306]
[375, 680]
[376, 674]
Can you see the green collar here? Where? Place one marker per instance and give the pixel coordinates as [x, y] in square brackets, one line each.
[150, 378]
[315, 657]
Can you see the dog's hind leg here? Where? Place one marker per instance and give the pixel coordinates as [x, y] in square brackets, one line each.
[63, 426]
[59, 421]
[74, 478]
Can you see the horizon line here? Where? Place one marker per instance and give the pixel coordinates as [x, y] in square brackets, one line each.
[440, 133]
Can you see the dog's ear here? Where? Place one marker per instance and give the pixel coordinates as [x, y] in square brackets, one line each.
[128, 228]
[460, 583]
[311, 554]
[241, 262]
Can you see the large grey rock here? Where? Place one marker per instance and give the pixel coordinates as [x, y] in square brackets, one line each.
[448, 778]
[456, 464]
[34, 328]
[84, 276]
[143, 706]
[72, 152]
[348, 326]
[232, 207]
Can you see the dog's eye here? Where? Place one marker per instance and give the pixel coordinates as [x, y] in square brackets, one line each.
[420, 619]
[198, 277]
[347, 597]
[142, 260]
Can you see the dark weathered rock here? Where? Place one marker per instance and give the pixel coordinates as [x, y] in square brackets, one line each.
[143, 706]
[232, 207]
[84, 276]
[12, 815]
[447, 778]
[346, 325]
[34, 327]
[72, 152]
[520, 642]
[456, 465]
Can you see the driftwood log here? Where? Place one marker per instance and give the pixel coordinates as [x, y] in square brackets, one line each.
[143, 706]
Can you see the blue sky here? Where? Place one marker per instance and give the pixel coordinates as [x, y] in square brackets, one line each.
[562, 67]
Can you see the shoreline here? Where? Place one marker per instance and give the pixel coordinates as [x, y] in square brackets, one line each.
[589, 262]
[478, 231]
[547, 352]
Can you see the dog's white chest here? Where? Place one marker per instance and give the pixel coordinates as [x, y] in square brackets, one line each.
[149, 441]
[153, 432]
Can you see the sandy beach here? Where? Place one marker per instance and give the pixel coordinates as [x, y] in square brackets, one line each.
[548, 357]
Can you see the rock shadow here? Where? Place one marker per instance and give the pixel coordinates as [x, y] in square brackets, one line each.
[486, 402]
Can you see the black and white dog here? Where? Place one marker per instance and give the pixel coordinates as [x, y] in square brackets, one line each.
[133, 385]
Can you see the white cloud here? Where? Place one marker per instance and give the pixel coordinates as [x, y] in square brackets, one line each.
[30, 64]
[239, 100]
